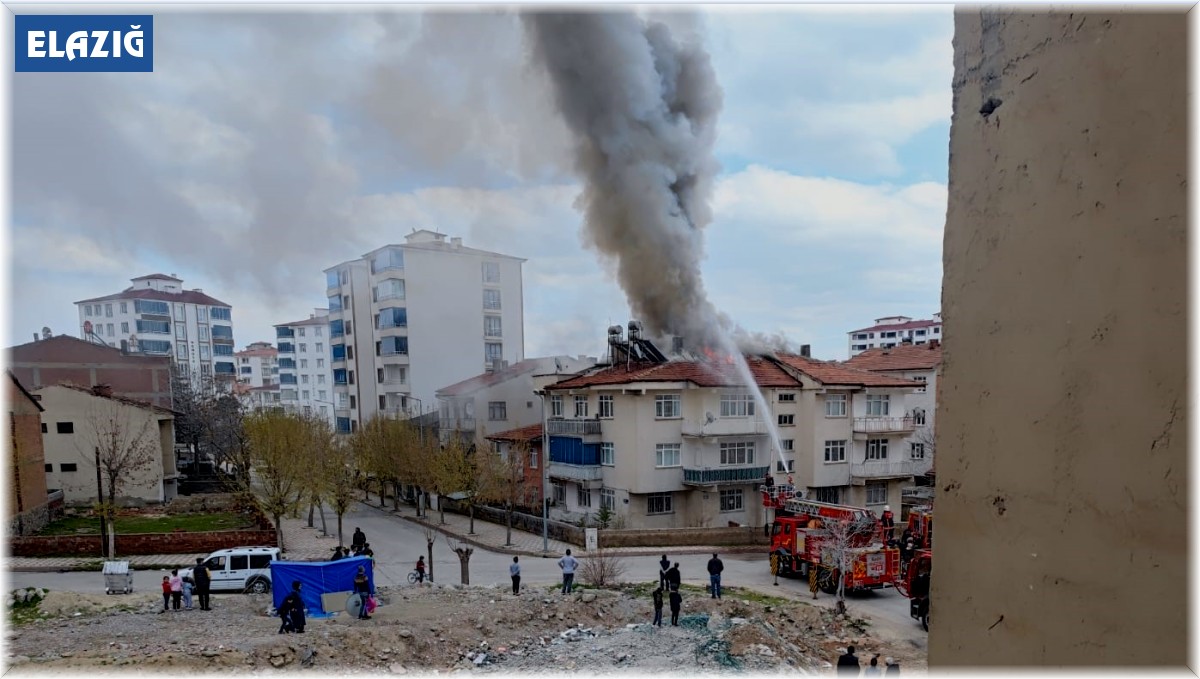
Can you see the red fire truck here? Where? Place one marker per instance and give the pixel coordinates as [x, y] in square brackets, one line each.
[916, 574]
[801, 541]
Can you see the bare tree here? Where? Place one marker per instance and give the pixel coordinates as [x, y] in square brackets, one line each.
[464, 558]
[126, 444]
[223, 432]
[430, 538]
[839, 542]
[275, 440]
[601, 568]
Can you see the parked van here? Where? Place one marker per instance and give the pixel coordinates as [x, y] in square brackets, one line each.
[240, 569]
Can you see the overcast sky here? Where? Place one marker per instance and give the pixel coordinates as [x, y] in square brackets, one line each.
[267, 147]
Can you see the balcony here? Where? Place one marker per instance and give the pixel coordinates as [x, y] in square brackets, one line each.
[725, 426]
[881, 470]
[922, 466]
[917, 494]
[573, 427]
[281, 333]
[590, 475]
[723, 475]
[460, 423]
[884, 425]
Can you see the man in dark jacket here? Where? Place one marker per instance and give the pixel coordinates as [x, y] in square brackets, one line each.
[673, 578]
[359, 538]
[362, 587]
[291, 611]
[658, 604]
[715, 567]
[847, 665]
[203, 583]
[676, 604]
[663, 566]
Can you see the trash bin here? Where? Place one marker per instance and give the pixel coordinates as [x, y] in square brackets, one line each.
[118, 578]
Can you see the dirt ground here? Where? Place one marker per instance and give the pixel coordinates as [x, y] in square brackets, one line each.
[442, 628]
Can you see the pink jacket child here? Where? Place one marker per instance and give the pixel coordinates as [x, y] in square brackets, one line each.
[176, 589]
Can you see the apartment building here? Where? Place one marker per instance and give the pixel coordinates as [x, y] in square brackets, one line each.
[305, 367]
[156, 316]
[892, 331]
[407, 319]
[501, 400]
[683, 443]
[920, 364]
[258, 365]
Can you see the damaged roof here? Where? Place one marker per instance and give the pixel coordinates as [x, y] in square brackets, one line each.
[832, 373]
[701, 373]
[902, 357]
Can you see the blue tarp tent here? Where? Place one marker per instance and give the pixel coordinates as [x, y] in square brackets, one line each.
[317, 578]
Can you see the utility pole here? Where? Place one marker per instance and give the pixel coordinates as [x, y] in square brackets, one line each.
[103, 510]
[545, 477]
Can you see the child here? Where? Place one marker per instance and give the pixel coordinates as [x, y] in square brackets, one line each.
[420, 569]
[658, 604]
[166, 589]
[176, 589]
[676, 602]
[188, 585]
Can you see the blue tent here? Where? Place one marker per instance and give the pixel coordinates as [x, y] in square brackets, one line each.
[317, 578]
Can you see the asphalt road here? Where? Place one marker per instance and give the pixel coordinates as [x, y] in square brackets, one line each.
[397, 544]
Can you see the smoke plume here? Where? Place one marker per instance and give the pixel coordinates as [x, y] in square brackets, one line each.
[642, 106]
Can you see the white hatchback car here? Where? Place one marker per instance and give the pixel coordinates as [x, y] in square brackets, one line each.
[240, 569]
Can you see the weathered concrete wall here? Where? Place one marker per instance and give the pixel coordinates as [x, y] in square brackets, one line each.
[1062, 438]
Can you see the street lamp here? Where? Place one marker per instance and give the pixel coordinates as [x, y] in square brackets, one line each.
[545, 476]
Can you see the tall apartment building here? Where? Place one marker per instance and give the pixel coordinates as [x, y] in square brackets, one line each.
[156, 316]
[407, 319]
[258, 365]
[306, 366]
[892, 331]
[683, 443]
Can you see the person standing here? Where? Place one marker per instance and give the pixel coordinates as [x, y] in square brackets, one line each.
[658, 606]
[166, 590]
[362, 587]
[291, 611]
[673, 578]
[337, 554]
[515, 572]
[715, 568]
[176, 589]
[420, 569]
[663, 566]
[359, 538]
[568, 564]
[889, 523]
[188, 585]
[873, 668]
[676, 604]
[847, 664]
[203, 582]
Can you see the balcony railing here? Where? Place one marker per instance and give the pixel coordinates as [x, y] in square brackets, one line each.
[577, 472]
[726, 426]
[883, 425]
[719, 475]
[882, 470]
[573, 427]
[922, 466]
[917, 493]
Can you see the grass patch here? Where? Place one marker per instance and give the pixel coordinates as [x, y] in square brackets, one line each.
[25, 612]
[129, 525]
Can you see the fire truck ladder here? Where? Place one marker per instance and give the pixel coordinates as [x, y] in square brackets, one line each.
[826, 510]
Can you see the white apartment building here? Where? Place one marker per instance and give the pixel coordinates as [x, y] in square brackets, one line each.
[892, 331]
[500, 400]
[258, 365]
[156, 316]
[684, 444]
[407, 319]
[306, 366]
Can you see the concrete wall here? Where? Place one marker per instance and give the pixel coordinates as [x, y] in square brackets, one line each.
[1062, 472]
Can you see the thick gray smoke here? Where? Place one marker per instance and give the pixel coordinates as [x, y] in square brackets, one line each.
[643, 108]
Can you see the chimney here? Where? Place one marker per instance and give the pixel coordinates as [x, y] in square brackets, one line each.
[677, 345]
[806, 350]
[36, 337]
[198, 290]
[104, 390]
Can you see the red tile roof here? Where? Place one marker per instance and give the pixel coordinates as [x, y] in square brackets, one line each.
[187, 297]
[531, 433]
[902, 357]
[119, 399]
[911, 325]
[833, 373]
[484, 380]
[701, 373]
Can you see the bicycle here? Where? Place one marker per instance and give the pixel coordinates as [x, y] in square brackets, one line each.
[415, 576]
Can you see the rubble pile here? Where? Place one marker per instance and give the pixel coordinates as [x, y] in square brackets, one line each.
[428, 628]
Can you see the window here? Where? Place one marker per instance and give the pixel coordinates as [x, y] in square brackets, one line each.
[161, 347]
[382, 402]
[937, 331]
[379, 377]
[201, 314]
[876, 493]
[87, 310]
[222, 350]
[737, 405]
[392, 288]
[65, 427]
[393, 346]
[741, 452]
[556, 406]
[497, 410]
[918, 416]
[67, 467]
[877, 449]
[305, 394]
[304, 379]
[225, 314]
[835, 405]
[785, 466]
[666, 455]
[608, 454]
[335, 303]
[391, 258]
[860, 347]
[303, 346]
[666, 406]
[491, 272]
[659, 503]
[731, 500]
[533, 459]
[113, 334]
[303, 361]
[491, 299]
[583, 496]
[287, 363]
[318, 331]
[861, 336]
[351, 374]
[605, 405]
[788, 444]
[491, 326]
[339, 352]
[223, 368]
[835, 451]
[581, 406]
[787, 420]
[343, 425]
[300, 332]
[918, 451]
[247, 370]
[877, 405]
[125, 328]
[321, 395]
[492, 351]
[260, 561]
[339, 376]
[350, 352]
[145, 306]
[393, 317]
[336, 328]
[395, 374]
[787, 398]
[608, 499]
[160, 327]
[49, 467]
[353, 402]
[346, 303]
[830, 495]
[920, 379]
[108, 310]
[204, 333]
[124, 307]
[320, 345]
[560, 493]
[889, 334]
[204, 351]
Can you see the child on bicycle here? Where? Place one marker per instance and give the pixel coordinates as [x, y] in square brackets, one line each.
[420, 569]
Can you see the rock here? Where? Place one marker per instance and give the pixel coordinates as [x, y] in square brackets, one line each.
[278, 661]
[480, 659]
[397, 668]
[588, 597]
[18, 660]
[210, 654]
[66, 654]
[738, 621]
[545, 616]
[405, 634]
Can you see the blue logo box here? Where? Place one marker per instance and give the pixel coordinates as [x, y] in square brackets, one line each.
[75, 43]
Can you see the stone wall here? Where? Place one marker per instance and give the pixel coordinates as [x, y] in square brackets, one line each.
[684, 537]
[149, 543]
[1062, 425]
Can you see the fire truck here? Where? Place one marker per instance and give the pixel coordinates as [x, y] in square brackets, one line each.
[916, 574]
[802, 542]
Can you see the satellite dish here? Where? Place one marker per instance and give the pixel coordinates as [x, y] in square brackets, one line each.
[558, 365]
[709, 418]
[353, 605]
[46, 332]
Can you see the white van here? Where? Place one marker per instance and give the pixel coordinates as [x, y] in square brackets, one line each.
[240, 569]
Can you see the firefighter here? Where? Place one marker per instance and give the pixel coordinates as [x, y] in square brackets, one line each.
[889, 522]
